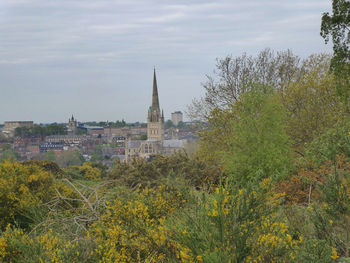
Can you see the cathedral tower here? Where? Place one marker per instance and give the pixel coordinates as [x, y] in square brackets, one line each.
[72, 126]
[155, 119]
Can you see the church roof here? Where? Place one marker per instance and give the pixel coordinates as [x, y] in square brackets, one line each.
[134, 143]
[173, 143]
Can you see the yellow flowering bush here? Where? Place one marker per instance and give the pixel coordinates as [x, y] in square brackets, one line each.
[87, 171]
[133, 229]
[235, 226]
[23, 189]
[21, 247]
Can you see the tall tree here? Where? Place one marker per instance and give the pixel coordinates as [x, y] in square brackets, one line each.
[337, 27]
[235, 75]
[249, 139]
[312, 102]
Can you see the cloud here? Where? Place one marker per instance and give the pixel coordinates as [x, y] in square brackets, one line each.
[108, 48]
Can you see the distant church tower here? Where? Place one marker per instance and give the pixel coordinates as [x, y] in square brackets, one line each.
[72, 126]
[155, 119]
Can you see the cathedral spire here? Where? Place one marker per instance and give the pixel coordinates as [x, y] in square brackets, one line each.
[155, 99]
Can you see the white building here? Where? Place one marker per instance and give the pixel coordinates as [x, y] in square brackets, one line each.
[176, 117]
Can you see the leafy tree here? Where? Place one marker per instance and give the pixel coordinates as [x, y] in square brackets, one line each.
[6, 146]
[255, 144]
[143, 137]
[312, 102]
[117, 124]
[39, 130]
[68, 158]
[9, 154]
[50, 156]
[97, 155]
[195, 170]
[168, 124]
[337, 26]
[332, 142]
[81, 131]
[181, 124]
[235, 75]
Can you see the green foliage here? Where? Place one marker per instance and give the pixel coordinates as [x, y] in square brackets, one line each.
[20, 247]
[332, 142]
[68, 158]
[168, 124]
[331, 216]
[50, 156]
[48, 166]
[257, 145]
[85, 171]
[116, 124]
[39, 130]
[337, 27]
[311, 102]
[237, 225]
[195, 170]
[80, 131]
[316, 251]
[23, 189]
[97, 155]
[9, 155]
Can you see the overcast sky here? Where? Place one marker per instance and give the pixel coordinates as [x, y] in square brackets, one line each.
[95, 58]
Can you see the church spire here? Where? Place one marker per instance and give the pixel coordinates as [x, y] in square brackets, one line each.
[155, 99]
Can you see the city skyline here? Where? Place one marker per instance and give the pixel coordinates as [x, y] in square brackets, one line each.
[95, 59]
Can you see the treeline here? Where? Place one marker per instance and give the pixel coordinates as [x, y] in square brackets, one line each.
[116, 124]
[41, 130]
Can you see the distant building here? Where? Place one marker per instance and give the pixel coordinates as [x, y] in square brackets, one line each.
[176, 117]
[10, 126]
[72, 126]
[125, 131]
[155, 143]
[93, 130]
[66, 139]
[51, 146]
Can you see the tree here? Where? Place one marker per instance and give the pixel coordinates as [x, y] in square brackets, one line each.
[258, 146]
[312, 102]
[235, 75]
[332, 142]
[9, 154]
[39, 130]
[249, 139]
[68, 158]
[168, 124]
[50, 156]
[181, 124]
[97, 154]
[337, 26]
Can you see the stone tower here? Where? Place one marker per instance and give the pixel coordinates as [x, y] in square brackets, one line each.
[155, 119]
[72, 126]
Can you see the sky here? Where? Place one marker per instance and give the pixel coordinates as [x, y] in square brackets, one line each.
[95, 58]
